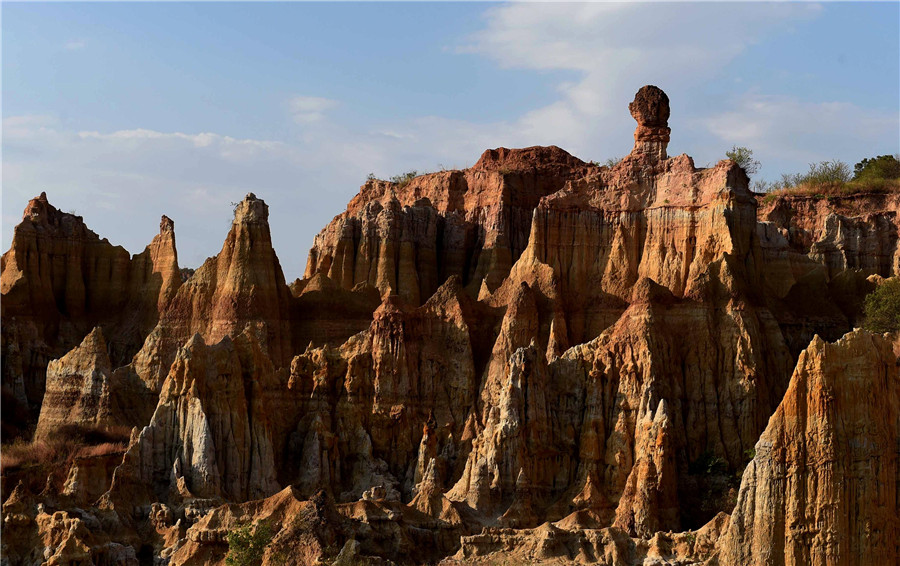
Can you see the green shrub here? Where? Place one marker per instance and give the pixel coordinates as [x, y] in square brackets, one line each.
[881, 167]
[744, 158]
[612, 162]
[826, 172]
[882, 307]
[247, 543]
[707, 464]
[404, 178]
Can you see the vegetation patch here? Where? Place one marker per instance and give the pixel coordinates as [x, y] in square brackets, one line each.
[744, 159]
[403, 179]
[54, 455]
[247, 543]
[882, 307]
[830, 179]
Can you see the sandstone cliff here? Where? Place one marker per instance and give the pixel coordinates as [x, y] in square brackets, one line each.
[535, 358]
[243, 283]
[822, 488]
[59, 280]
[408, 239]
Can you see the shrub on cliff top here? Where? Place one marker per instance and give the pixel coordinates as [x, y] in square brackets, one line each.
[744, 158]
[404, 178]
[883, 307]
[881, 167]
[833, 179]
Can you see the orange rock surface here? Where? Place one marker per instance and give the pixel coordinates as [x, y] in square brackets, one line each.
[533, 359]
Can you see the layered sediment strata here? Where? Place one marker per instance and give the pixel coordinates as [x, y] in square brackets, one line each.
[408, 239]
[242, 284]
[839, 232]
[60, 280]
[532, 359]
[84, 391]
[822, 487]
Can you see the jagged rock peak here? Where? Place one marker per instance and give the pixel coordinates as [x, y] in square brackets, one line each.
[35, 207]
[822, 486]
[251, 210]
[166, 224]
[40, 211]
[650, 109]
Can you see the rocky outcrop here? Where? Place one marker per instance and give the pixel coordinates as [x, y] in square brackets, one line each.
[59, 280]
[361, 410]
[243, 284]
[564, 543]
[857, 231]
[33, 534]
[84, 391]
[533, 359]
[210, 435]
[409, 238]
[818, 253]
[651, 111]
[822, 487]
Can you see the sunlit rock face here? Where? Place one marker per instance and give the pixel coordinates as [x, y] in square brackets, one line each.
[535, 359]
[822, 487]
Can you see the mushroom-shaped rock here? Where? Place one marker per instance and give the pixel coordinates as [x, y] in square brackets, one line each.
[650, 109]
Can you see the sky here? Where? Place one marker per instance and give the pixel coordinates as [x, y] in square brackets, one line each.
[123, 112]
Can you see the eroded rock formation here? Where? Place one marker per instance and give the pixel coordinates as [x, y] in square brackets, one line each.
[59, 281]
[822, 487]
[533, 359]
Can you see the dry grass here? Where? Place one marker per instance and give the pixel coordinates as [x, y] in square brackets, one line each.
[104, 449]
[836, 189]
[54, 456]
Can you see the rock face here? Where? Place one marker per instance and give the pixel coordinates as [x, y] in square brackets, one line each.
[822, 488]
[840, 233]
[209, 436]
[472, 223]
[60, 280]
[83, 390]
[243, 284]
[533, 359]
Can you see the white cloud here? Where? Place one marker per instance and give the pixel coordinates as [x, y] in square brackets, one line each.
[600, 54]
[615, 48]
[307, 109]
[75, 45]
[784, 130]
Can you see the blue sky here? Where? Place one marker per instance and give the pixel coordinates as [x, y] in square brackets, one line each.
[125, 111]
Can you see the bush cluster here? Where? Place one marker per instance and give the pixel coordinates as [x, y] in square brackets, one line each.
[744, 158]
[247, 543]
[882, 307]
[881, 167]
[403, 179]
[835, 178]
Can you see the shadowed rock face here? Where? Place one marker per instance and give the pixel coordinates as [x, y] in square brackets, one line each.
[533, 359]
[60, 280]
